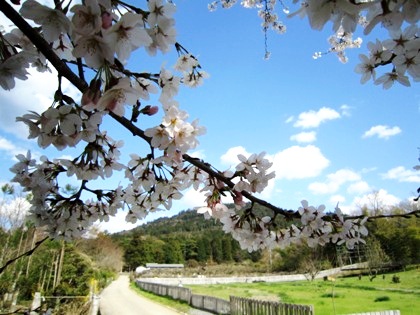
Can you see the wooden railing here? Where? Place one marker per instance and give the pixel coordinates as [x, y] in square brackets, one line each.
[245, 306]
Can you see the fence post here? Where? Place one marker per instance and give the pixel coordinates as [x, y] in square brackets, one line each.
[94, 305]
[36, 303]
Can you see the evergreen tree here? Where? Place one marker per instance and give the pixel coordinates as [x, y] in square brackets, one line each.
[203, 249]
[216, 249]
[227, 249]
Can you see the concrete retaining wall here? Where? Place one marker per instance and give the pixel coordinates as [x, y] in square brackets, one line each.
[222, 280]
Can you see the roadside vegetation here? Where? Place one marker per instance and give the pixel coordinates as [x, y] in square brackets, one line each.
[30, 262]
[169, 302]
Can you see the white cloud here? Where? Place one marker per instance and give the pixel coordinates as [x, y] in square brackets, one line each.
[10, 148]
[117, 223]
[334, 181]
[199, 154]
[402, 174]
[380, 199]
[304, 137]
[230, 158]
[358, 188]
[312, 119]
[34, 94]
[13, 212]
[382, 131]
[345, 110]
[191, 199]
[299, 162]
[290, 119]
[337, 199]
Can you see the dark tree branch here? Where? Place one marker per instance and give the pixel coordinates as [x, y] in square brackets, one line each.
[45, 48]
[27, 253]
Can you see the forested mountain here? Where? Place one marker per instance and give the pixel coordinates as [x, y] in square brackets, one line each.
[188, 221]
[186, 238]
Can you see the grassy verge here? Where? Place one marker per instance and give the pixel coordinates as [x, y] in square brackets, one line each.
[342, 296]
[180, 306]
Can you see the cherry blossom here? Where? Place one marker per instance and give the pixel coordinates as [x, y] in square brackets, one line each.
[94, 49]
[11, 69]
[115, 99]
[92, 41]
[87, 18]
[388, 79]
[53, 21]
[127, 35]
[159, 11]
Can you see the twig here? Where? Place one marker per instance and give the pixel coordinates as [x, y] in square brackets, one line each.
[27, 253]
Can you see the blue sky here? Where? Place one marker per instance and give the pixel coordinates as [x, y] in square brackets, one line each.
[331, 139]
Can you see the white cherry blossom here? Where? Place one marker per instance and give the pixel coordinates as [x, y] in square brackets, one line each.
[87, 18]
[127, 35]
[159, 11]
[366, 68]
[115, 99]
[388, 79]
[94, 49]
[54, 22]
[11, 69]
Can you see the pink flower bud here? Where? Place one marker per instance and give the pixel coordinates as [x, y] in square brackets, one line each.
[238, 199]
[177, 156]
[92, 95]
[106, 20]
[150, 110]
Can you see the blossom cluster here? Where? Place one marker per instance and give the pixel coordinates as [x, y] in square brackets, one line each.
[401, 51]
[96, 38]
[315, 228]
[63, 217]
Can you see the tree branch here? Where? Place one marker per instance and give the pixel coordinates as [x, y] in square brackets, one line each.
[408, 215]
[43, 46]
[27, 253]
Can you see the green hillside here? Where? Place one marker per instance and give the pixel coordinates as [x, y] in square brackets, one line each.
[190, 239]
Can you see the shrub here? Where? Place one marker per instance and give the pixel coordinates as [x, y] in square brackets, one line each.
[395, 279]
[382, 298]
[330, 295]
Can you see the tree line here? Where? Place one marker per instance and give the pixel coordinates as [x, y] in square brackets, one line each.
[190, 239]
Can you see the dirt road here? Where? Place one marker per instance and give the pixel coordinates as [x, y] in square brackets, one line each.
[119, 299]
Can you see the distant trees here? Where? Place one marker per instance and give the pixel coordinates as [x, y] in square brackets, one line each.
[399, 238]
[190, 239]
[187, 247]
[304, 259]
[376, 259]
[392, 243]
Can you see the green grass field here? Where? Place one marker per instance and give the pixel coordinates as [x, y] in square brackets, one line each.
[342, 296]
